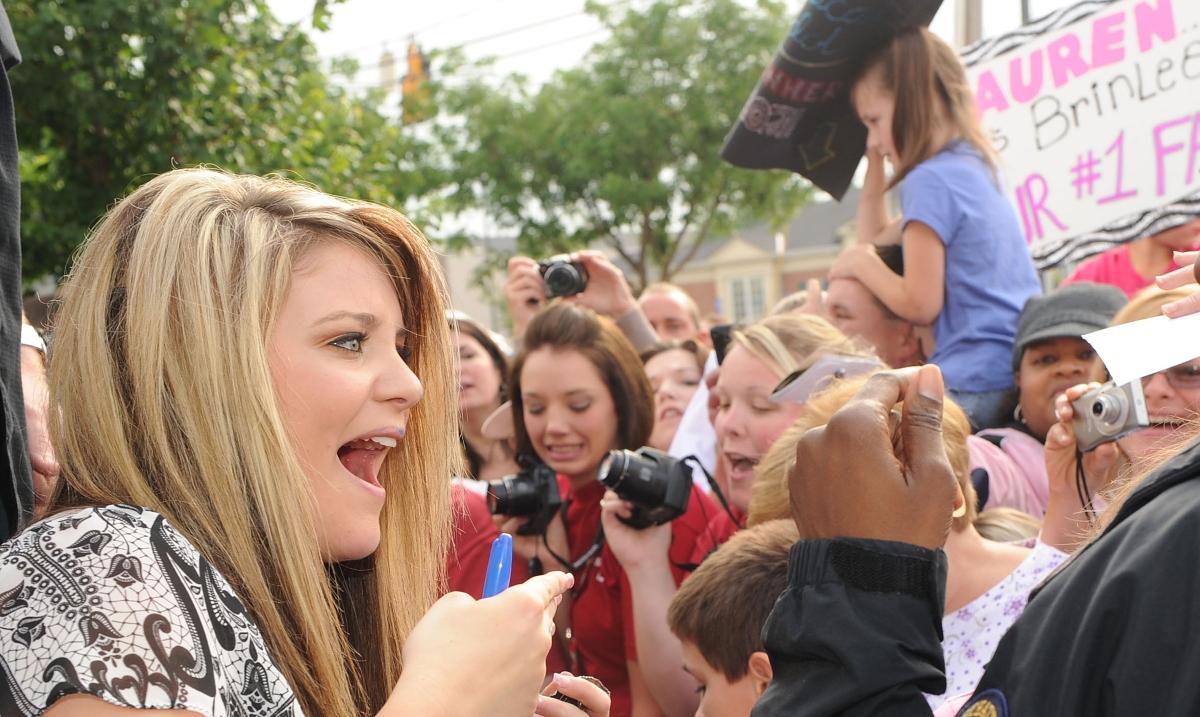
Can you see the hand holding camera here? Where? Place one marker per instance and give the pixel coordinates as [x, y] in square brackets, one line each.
[1066, 522]
[526, 506]
[637, 549]
[524, 291]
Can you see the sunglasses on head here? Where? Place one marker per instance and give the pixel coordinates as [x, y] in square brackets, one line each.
[721, 335]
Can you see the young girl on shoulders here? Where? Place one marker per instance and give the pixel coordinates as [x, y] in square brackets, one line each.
[967, 269]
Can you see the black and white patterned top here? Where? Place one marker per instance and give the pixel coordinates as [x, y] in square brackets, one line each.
[115, 603]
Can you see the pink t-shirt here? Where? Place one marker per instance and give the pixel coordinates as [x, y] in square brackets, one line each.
[1016, 470]
[1113, 267]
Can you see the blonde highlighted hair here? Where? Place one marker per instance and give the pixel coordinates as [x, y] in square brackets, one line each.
[769, 498]
[789, 342]
[161, 375]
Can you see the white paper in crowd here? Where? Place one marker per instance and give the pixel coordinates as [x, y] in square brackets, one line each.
[695, 435]
[820, 374]
[1140, 348]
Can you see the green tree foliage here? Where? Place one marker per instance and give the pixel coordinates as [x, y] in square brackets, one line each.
[624, 149]
[112, 92]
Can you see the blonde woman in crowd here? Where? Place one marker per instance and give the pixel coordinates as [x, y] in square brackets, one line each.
[257, 397]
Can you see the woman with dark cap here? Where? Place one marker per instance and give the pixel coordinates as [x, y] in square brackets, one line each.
[1049, 356]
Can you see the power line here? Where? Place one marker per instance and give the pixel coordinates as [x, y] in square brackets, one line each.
[554, 43]
[474, 40]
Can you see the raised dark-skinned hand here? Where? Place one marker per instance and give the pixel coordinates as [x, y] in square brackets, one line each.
[870, 473]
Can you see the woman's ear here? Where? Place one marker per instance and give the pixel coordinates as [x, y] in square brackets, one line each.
[760, 671]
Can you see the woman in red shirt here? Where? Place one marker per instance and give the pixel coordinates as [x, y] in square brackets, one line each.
[579, 391]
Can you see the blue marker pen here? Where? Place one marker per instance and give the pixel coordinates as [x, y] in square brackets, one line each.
[499, 567]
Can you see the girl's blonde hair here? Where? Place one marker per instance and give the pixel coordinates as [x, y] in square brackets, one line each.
[789, 342]
[925, 77]
[769, 497]
[161, 376]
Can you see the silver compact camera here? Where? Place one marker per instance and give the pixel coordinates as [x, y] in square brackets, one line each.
[1108, 413]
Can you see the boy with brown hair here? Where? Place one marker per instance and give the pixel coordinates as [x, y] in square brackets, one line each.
[719, 612]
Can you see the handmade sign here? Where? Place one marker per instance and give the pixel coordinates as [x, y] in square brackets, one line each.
[799, 117]
[1094, 111]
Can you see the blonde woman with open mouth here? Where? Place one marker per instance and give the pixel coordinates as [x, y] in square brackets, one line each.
[257, 393]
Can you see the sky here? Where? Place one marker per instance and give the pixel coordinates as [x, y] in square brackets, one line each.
[531, 37]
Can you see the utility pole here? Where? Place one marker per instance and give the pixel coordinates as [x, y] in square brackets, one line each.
[969, 22]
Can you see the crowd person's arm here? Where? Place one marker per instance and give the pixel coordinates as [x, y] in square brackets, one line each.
[874, 224]
[858, 629]
[1188, 274]
[37, 414]
[918, 295]
[608, 294]
[1068, 523]
[644, 556]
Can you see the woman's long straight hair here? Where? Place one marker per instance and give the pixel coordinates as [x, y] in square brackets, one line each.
[160, 374]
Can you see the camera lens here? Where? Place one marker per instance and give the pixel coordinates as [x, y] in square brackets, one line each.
[612, 468]
[1109, 411]
[514, 495]
[562, 280]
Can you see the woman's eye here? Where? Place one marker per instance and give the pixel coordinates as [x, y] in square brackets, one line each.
[581, 407]
[1044, 360]
[405, 351]
[533, 410]
[349, 342]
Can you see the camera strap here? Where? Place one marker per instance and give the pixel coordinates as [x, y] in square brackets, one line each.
[716, 489]
[1082, 490]
[574, 565]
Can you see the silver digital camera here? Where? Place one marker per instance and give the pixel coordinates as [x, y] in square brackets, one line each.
[1108, 413]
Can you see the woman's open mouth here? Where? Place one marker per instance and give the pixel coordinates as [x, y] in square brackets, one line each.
[362, 457]
[741, 467]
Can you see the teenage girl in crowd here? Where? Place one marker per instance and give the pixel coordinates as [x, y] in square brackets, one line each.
[256, 399]
[967, 268]
[675, 369]
[578, 392]
[482, 387]
[747, 422]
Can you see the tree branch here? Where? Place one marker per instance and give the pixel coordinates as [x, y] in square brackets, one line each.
[701, 233]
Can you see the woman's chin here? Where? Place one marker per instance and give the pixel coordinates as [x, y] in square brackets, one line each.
[352, 545]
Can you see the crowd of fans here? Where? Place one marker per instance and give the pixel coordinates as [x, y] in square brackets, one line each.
[258, 504]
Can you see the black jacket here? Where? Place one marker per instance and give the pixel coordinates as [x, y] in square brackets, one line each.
[16, 487]
[1115, 631]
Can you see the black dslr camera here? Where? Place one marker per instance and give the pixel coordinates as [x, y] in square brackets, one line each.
[657, 484]
[532, 493]
[563, 276]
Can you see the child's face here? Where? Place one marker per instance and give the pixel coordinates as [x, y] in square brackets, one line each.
[875, 107]
[718, 696]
